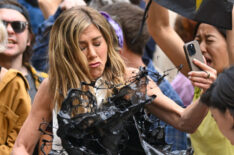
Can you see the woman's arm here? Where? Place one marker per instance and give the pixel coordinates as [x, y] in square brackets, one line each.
[165, 36]
[41, 112]
[48, 7]
[187, 119]
[184, 119]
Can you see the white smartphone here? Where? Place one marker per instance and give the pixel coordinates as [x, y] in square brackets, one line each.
[192, 50]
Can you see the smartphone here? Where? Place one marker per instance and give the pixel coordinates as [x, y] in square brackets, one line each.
[192, 50]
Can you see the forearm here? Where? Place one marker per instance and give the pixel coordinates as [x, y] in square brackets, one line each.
[230, 41]
[192, 116]
[20, 150]
[165, 36]
[26, 140]
[186, 120]
[48, 7]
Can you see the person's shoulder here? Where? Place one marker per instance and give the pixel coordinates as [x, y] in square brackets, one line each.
[44, 87]
[14, 77]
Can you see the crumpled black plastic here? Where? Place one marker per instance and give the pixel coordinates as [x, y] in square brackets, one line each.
[107, 130]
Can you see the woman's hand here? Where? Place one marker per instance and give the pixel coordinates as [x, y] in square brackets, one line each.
[202, 79]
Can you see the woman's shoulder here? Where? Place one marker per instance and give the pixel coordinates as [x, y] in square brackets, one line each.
[130, 72]
[45, 87]
[44, 94]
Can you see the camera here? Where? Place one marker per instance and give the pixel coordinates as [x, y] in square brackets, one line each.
[191, 49]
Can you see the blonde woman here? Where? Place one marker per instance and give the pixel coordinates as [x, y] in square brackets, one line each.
[3, 37]
[83, 48]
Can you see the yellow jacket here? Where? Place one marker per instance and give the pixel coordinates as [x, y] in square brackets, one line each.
[15, 106]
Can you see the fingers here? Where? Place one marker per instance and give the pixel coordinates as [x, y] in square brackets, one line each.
[202, 65]
[202, 83]
[203, 79]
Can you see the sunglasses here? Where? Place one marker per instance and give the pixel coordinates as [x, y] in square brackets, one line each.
[17, 26]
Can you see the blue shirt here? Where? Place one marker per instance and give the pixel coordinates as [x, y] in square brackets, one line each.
[40, 56]
[177, 139]
[35, 15]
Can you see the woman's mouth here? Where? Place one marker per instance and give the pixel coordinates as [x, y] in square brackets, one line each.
[208, 61]
[94, 65]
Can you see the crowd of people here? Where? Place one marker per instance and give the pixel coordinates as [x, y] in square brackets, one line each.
[78, 44]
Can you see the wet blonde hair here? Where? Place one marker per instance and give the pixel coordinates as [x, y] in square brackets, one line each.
[3, 37]
[68, 64]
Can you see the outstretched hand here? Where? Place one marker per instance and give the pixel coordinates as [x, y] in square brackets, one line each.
[202, 79]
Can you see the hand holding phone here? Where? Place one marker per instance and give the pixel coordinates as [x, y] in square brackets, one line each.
[192, 51]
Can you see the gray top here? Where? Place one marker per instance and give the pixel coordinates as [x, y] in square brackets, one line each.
[32, 90]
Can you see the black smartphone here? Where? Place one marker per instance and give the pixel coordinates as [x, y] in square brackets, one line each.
[192, 50]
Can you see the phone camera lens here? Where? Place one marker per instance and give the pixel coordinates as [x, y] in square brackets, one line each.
[191, 49]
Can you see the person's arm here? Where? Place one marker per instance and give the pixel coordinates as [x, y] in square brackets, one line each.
[40, 49]
[165, 36]
[186, 120]
[230, 41]
[41, 112]
[48, 7]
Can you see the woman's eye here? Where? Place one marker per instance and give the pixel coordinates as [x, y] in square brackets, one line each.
[198, 40]
[209, 40]
[97, 44]
[82, 48]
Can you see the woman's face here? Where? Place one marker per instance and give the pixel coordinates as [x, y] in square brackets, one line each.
[225, 122]
[213, 46]
[94, 46]
[17, 42]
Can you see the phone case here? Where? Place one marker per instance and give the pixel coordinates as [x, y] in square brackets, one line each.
[192, 50]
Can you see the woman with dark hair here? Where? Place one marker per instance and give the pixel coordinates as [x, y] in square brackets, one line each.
[220, 98]
[214, 46]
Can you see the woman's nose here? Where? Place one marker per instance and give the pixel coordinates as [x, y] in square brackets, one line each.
[203, 46]
[91, 52]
